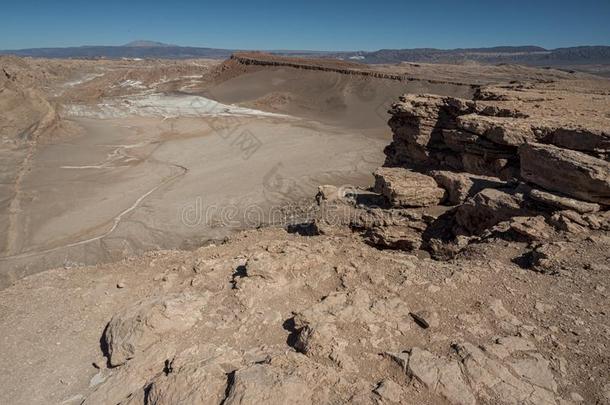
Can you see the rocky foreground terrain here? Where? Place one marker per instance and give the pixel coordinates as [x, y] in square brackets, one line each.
[474, 271]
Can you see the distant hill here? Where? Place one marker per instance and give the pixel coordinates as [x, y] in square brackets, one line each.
[525, 55]
[147, 44]
[136, 49]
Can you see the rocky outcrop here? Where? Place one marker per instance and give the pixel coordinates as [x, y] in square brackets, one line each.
[486, 137]
[508, 371]
[452, 133]
[139, 327]
[499, 157]
[503, 167]
[418, 123]
[326, 65]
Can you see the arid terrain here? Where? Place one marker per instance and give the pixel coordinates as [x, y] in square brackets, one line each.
[279, 230]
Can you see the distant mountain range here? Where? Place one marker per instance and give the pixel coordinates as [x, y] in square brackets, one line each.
[527, 55]
[135, 49]
[147, 44]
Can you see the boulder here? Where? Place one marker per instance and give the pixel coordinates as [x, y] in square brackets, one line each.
[566, 171]
[457, 185]
[394, 237]
[405, 188]
[389, 391]
[460, 186]
[140, 326]
[531, 228]
[548, 257]
[569, 221]
[488, 208]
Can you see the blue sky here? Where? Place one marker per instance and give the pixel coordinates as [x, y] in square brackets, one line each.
[319, 25]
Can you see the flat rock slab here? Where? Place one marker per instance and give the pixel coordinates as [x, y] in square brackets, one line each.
[562, 202]
[501, 130]
[569, 172]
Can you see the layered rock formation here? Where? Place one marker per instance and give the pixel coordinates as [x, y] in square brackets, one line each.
[462, 171]
[325, 65]
[525, 159]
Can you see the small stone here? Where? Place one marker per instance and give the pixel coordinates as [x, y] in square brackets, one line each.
[606, 391]
[433, 288]
[327, 193]
[542, 308]
[97, 379]
[502, 313]
[563, 366]
[121, 284]
[388, 390]
[426, 319]
[576, 397]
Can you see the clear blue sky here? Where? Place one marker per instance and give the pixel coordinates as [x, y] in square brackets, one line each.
[320, 25]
